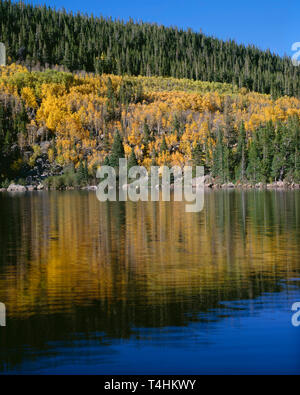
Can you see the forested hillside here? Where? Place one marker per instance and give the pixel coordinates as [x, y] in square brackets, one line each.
[41, 35]
[62, 123]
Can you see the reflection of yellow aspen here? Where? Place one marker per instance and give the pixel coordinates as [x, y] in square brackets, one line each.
[155, 247]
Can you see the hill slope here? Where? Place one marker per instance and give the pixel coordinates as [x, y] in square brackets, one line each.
[52, 120]
[46, 36]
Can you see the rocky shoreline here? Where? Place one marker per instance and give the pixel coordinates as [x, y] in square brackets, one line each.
[209, 183]
[40, 187]
[260, 185]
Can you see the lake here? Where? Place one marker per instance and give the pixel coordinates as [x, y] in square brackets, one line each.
[146, 288]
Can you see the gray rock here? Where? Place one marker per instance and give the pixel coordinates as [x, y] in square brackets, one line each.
[295, 186]
[228, 186]
[31, 188]
[208, 180]
[259, 185]
[280, 184]
[16, 188]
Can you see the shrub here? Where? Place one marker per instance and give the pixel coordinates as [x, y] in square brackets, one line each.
[5, 184]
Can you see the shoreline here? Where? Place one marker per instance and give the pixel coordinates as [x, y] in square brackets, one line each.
[280, 185]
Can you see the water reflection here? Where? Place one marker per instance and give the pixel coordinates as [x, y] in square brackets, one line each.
[76, 270]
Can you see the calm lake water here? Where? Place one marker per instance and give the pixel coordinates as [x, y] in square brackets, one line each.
[145, 287]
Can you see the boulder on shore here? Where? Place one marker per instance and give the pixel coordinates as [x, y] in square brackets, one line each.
[204, 180]
[295, 186]
[229, 185]
[259, 185]
[280, 184]
[16, 188]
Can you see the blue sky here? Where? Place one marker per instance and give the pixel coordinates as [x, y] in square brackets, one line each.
[268, 24]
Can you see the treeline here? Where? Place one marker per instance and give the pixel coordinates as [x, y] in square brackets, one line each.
[272, 153]
[41, 35]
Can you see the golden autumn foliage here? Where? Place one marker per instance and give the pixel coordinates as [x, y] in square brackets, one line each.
[82, 112]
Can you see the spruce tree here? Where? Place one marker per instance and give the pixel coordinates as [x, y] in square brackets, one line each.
[279, 159]
[163, 146]
[132, 161]
[296, 159]
[86, 171]
[266, 143]
[81, 174]
[218, 166]
[241, 155]
[146, 137]
[146, 133]
[253, 168]
[117, 151]
[153, 156]
[198, 157]
[106, 161]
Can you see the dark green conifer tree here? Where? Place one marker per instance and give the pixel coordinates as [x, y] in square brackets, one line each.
[153, 157]
[164, 146]
[241, 155]
[132, 161]
[117, 150]
[81, 174]
[254, 164]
